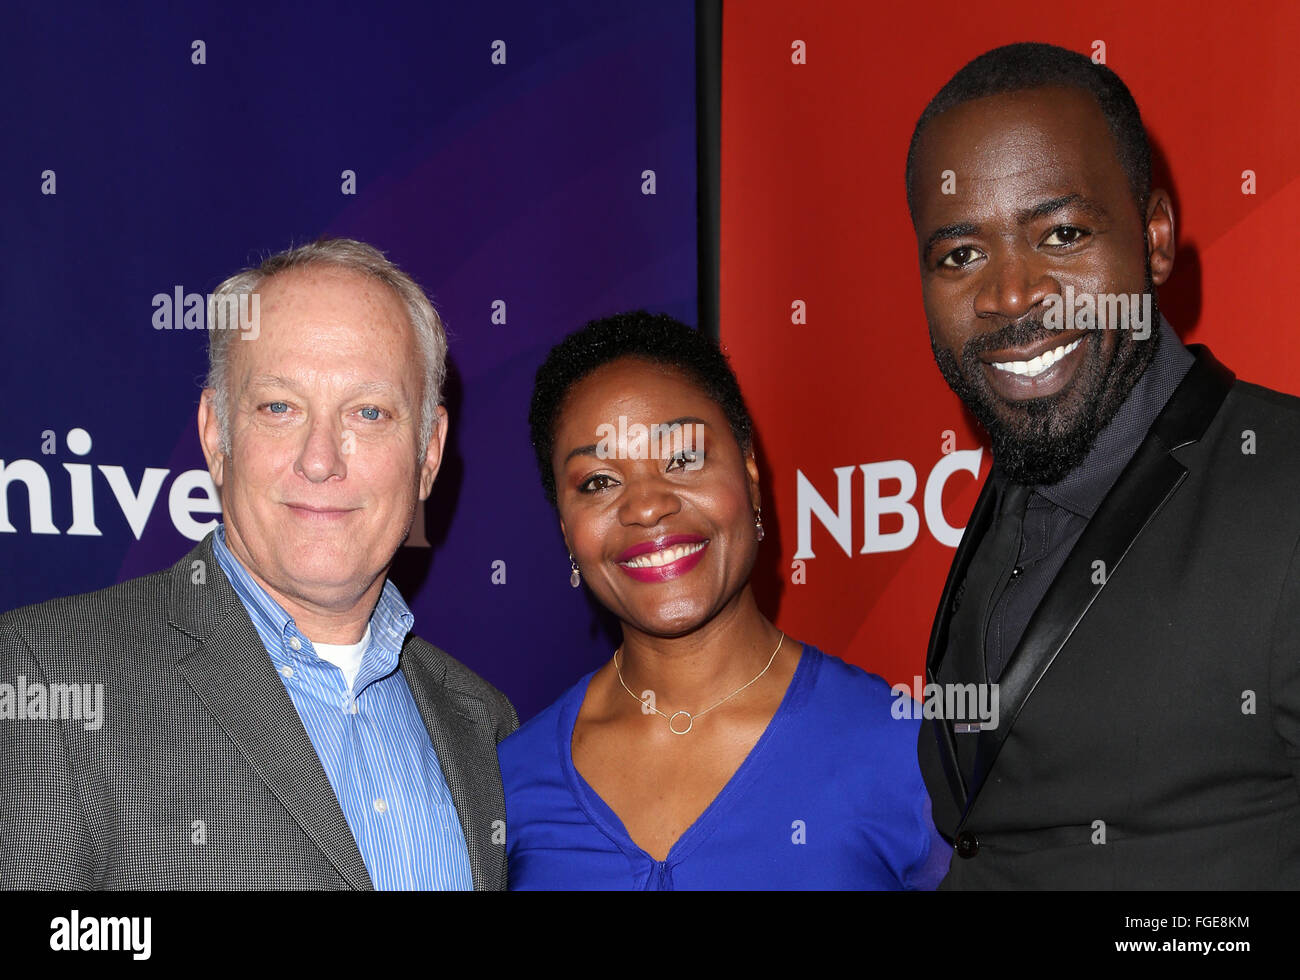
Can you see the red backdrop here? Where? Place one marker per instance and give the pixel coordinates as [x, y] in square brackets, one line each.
[813, 210]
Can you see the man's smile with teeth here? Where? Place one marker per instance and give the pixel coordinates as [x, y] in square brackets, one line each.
[1037, 365]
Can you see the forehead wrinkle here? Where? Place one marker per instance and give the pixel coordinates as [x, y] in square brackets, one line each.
[988, 198]
[1004, 135]
[311, 378]
[296, 294]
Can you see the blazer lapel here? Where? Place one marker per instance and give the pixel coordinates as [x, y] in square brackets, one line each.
[1147, 483]
[980, 519]
[461, 730]
[233, 676]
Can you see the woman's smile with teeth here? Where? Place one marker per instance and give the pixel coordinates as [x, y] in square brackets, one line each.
[656, 559]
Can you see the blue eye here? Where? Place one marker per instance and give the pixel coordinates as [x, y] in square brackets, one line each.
[278, 408]
[371, 414]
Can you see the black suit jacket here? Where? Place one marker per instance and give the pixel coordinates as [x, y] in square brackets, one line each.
[202, 774]
[1149, 730]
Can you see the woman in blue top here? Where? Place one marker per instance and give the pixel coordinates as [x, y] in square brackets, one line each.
[712, 751]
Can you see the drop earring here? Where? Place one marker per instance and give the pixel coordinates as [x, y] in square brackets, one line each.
[758, 523]
[575, 577]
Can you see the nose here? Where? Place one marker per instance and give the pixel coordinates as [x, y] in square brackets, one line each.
[1013, 284]
[323, 453]
[648, 500]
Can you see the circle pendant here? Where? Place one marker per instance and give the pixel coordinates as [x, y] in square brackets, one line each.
[690, 723]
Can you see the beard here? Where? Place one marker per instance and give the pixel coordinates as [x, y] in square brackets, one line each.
[1039, 441]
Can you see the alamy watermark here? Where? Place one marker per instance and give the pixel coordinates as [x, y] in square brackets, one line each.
[75, 932]
[53, 702]
[180, 310]
[970, 707]
[657, 441]
[1099, 311]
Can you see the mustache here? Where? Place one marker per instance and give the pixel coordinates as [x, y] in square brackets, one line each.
[1022, 333]
[1028, 330]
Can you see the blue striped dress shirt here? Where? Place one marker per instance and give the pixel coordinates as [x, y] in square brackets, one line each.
[373, 743]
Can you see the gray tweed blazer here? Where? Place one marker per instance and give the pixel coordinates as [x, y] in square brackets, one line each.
[201, 774]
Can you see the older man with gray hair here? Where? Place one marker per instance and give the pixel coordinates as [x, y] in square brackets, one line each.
[270, 721]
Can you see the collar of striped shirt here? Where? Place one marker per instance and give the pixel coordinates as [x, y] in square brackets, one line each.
[390, 623]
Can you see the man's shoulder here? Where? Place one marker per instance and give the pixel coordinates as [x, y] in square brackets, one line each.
[462, 680]
[1246, 463]
[1278, 405]
[134, 614]
[1261, 426]
[136, 598]
[1250, 420]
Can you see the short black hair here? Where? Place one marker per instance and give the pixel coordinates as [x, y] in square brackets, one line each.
[653, 337]
[1016, 67]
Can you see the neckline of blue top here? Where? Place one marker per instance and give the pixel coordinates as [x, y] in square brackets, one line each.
[603, 816]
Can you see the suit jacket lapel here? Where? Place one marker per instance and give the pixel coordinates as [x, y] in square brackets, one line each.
[459, 728]
[233, 676]
[980, 519]
[1147, 483]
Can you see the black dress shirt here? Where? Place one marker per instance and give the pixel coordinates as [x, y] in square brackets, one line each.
[1057, 513]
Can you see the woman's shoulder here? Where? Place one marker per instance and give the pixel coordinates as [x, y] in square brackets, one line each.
[848, 682]
[539, 737]
[855, 703]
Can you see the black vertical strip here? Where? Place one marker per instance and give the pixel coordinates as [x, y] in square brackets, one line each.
[708, 156]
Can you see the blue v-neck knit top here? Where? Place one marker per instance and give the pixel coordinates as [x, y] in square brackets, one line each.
[830, 797]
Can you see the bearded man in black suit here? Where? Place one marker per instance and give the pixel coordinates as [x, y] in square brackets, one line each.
[1130, 575]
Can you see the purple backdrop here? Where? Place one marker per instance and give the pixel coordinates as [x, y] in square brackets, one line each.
[174, 164]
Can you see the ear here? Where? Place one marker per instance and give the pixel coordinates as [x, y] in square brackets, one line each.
[433, 453]
[564, 533]
[1160, 235]
[210, 436]
[751, 470]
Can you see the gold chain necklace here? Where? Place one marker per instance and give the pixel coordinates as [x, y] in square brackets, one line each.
[690, 718]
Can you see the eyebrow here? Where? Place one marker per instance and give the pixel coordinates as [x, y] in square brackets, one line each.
[949, 231]
[591, 450]
[1042, 209]
[1049, 207]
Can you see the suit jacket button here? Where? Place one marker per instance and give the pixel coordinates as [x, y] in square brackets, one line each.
[967, 844]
